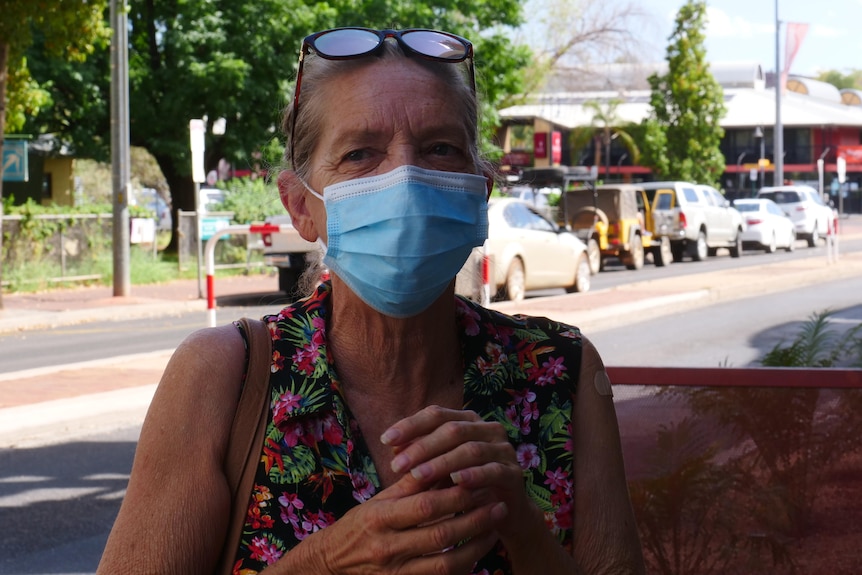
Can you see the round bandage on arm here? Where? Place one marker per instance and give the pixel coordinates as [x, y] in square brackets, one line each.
[603, 383]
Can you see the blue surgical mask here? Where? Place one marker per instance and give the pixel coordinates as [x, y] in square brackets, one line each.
[398, 239]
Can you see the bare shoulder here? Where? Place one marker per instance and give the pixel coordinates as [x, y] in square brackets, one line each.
[179, 462]
[199, 390]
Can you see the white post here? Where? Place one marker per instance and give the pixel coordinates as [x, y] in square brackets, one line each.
[486, 275]
[197, 130]
[210, 257]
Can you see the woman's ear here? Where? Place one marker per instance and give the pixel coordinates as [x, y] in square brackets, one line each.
[294, 197]
[489, 183]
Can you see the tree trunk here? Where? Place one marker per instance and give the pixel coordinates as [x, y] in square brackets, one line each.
[4, 68]
[182, 196]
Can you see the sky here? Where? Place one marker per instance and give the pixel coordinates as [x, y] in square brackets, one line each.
[744, 31]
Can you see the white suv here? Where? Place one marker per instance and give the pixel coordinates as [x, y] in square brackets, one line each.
[803, 205]
[696, 217]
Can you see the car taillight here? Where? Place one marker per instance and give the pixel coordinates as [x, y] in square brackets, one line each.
[753, 222]
[267, 239]
[800, 208]
[682, 222]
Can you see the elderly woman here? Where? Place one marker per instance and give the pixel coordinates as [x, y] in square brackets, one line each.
[410, 430]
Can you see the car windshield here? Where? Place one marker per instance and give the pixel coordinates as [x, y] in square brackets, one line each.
[782, 197]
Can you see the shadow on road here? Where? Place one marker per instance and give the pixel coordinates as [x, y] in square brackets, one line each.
[58, 503]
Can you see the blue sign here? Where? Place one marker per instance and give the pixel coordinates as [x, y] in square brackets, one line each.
[15, 161]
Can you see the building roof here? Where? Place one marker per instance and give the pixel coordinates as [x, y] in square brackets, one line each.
[806, 103]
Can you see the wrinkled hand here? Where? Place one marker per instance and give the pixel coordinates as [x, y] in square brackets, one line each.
[437, 444]
[408, 529]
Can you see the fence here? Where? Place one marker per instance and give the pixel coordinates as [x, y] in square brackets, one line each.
[755, 470]
[67, 242]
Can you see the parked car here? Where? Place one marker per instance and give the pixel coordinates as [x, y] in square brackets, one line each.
[767, 227]
[697, 218]
[288, 252]
[805, 207]
[615, 221]
[527, 251]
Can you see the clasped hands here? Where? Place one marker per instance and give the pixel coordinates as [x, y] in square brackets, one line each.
[461, 491]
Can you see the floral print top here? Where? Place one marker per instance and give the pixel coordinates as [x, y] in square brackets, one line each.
[314, 466]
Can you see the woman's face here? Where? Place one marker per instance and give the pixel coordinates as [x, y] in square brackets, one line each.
[385, 115]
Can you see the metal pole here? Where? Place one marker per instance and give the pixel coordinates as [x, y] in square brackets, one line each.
[779, 129]
[120, 157]
[199, 238]
[760, 165]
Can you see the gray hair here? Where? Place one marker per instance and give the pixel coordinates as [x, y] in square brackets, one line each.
[318, 71]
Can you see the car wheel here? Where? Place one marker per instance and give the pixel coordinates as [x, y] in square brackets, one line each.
[771, 246]
[582, 276]
[736, 248]
[814, 237]
[634, 260]
[594, 256]
[664, 254]
[515, 281]
[678, 251]
[792, 245]
[699, 250]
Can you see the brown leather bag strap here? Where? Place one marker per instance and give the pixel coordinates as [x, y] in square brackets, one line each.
[246, 435]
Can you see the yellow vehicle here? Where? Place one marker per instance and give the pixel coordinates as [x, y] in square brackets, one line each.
[615, 221]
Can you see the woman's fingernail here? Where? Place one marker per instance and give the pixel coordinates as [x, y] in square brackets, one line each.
[499, 511]
[455, 476]
[421, 471]
[400, 463]
[389, 436]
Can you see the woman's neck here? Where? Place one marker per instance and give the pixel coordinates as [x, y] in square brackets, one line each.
[409, 360]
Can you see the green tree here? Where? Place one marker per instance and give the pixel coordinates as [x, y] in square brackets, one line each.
[70, 28]
[682, 133]
[236, 59]
[605, 126]
[853, 79]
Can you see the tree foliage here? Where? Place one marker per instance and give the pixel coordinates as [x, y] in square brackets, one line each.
[236, 59]
[605, 126]
[682, 133]
[70, 28]
[852, 79]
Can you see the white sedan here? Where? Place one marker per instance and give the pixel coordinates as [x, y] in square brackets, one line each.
[526, 251]
[767, 227]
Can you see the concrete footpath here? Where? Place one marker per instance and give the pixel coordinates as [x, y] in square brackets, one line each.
[44, 405]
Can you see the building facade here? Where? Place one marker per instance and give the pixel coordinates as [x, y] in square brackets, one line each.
[819, 122]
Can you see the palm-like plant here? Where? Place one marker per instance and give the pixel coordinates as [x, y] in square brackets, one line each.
[605, 127]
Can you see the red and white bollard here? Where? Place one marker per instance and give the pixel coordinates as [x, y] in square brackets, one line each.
[832, 240]
[209, 256]
[486, 275]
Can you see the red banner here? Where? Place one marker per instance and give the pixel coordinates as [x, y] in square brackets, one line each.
[851, 154]
[795, 35]
[540, 144]
[556, 147]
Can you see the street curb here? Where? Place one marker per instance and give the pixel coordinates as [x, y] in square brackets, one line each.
[70, 418]
[14, 320]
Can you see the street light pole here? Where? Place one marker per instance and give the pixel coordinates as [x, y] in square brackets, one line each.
[120, 160]
[778, 138]
[738, 171]
[759, 135]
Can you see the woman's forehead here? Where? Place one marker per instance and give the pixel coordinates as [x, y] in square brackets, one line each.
[390, 91]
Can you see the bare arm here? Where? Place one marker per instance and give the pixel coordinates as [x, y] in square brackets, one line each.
[173, 518]
[606, 536]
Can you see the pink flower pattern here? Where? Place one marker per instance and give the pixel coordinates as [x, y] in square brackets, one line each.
[517, 370]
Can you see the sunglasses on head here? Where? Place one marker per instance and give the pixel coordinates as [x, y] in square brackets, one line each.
[352, 43]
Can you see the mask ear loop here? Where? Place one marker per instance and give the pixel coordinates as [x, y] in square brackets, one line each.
[310, 191]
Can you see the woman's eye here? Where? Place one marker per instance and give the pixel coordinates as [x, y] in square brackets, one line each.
[355, 156]
[442, 149]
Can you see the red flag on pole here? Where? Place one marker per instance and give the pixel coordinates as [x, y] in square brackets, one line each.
[795, 35]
